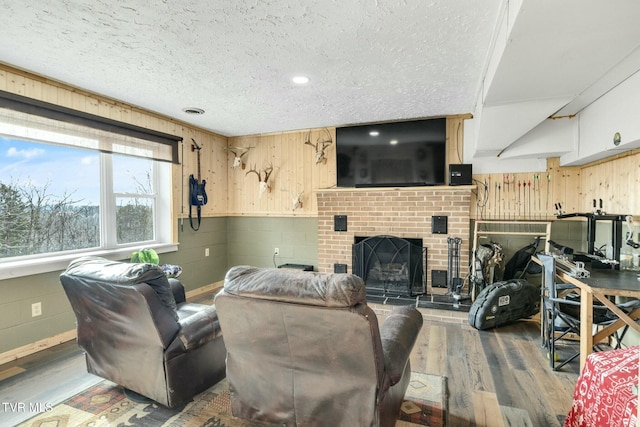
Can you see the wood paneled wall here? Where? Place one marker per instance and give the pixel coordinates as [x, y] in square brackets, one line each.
[213, 169]
[527, 196]
[294, 171]
[232, 192]
[213, 157]
[455, 139]
[615, 180]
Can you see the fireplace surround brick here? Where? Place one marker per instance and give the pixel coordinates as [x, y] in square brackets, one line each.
[400, 212]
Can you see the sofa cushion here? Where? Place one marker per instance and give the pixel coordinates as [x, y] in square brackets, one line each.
[124, 274]
[301, 287]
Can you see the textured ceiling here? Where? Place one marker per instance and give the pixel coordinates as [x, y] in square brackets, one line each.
[367, 60]
[510, 63]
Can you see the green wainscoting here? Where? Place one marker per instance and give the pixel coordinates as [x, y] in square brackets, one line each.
[229, 240]
[251, 241]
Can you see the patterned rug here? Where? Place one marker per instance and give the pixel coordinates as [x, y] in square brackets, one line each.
[106, 405]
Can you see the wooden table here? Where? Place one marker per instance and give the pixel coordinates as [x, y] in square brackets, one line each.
[602, 284]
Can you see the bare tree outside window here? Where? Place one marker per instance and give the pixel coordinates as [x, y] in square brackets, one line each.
[135, 199]
[50, 198]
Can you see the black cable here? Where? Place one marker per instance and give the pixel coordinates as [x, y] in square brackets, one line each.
[458, 142]
[481, 201]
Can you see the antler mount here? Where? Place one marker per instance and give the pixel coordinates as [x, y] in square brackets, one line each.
[320, 146]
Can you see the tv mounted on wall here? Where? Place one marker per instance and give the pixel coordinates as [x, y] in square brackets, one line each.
[411, 153]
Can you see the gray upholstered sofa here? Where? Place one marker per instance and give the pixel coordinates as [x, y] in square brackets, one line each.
[304, 349]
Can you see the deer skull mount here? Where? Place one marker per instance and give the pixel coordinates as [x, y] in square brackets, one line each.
[320, 146]
[296, 200]
[263, 180]
[239, 153]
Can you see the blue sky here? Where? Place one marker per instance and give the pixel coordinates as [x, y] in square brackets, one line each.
[65, 170]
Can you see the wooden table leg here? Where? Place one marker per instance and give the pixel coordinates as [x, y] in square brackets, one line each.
[586, 326]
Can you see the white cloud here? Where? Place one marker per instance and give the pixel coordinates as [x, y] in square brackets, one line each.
[25, 154]
[88, 160]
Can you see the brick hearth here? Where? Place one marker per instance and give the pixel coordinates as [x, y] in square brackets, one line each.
[400, 212]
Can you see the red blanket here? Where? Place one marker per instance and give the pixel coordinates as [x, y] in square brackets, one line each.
[605, 395]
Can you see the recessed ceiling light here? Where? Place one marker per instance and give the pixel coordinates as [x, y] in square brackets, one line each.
[300, 80]
[193, 110]
[374, 133]
[393, 142]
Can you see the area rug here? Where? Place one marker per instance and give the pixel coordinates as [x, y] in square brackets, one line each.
[106, 405]
[425, 401]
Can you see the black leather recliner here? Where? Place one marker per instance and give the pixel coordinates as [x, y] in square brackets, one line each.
[304, 349]
[138, 331]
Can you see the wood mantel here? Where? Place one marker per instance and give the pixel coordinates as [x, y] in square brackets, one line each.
[451, 188]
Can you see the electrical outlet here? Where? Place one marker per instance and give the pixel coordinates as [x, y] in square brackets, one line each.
[206, 251]
[276, 251]
[36, 309]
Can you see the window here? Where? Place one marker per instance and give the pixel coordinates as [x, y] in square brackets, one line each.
[68, 190]
[133, 189]
[48, 198]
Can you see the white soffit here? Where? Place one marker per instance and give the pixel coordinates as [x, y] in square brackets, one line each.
[557, 58]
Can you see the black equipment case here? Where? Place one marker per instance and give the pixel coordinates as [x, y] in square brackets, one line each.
[504, 302]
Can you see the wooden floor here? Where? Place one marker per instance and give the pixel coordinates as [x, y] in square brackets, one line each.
[495, 378]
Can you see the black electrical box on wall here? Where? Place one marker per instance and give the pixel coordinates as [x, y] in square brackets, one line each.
[339, 268]
[439, 278]
[339, 223]
[460, 174]
[439, 225]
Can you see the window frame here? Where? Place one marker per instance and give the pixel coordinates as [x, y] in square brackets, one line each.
[162, 177]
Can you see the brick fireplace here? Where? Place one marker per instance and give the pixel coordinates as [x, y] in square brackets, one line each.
[400, 212]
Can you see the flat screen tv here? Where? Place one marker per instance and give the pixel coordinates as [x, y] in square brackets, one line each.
[411, 153]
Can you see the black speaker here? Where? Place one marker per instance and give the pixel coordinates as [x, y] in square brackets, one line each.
[439, 278]
[339, 223]
[439, 225]
[339, 268]
[460, 174]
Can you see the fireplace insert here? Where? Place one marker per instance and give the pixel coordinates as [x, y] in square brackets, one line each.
[389, 265]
